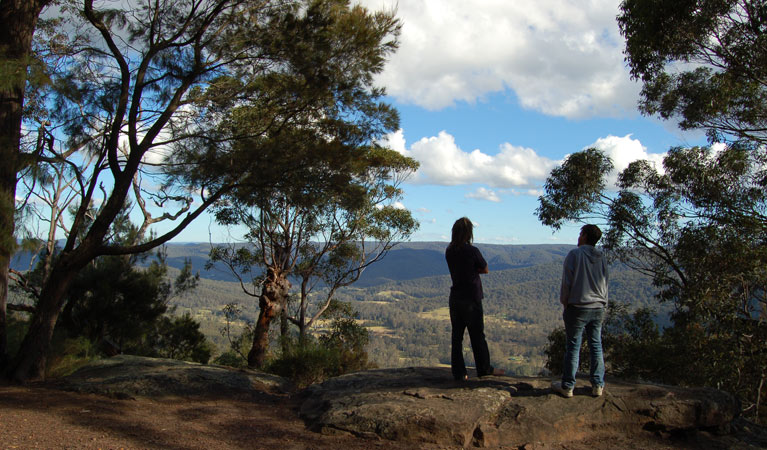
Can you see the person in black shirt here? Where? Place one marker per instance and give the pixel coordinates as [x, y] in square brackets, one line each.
[466, 264]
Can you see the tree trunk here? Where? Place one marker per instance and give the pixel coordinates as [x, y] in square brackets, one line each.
[284, 328]
[273, 296]
[19, 19]
[29, 363]
[302, 310]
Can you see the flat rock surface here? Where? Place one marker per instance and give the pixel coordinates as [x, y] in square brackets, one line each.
[134, 402]
[126, 376]
[424, 405]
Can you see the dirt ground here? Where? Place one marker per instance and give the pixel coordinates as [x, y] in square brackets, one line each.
[39, 417]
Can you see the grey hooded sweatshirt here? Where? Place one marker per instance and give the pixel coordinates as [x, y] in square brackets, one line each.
[584, 278]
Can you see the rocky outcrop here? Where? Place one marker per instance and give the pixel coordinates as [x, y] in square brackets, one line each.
[126, 376]
[424, 405]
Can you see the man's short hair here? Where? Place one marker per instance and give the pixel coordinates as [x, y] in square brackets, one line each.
[592, 233]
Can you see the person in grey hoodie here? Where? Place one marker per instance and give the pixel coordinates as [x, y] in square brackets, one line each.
[584, 297]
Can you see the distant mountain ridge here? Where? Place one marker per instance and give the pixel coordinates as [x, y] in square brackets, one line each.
[406, 261]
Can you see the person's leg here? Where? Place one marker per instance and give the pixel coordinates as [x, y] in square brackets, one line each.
[574, 325]
[475, 322]
[458, 323]
[594, 336]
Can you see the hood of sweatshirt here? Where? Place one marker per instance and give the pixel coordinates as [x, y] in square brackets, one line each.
[592, 253]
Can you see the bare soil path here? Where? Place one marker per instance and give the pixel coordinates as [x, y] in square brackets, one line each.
[38, 416]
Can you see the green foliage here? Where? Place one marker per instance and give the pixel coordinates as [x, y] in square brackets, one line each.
[633, 345]
[348, 339]
[555, 351]
[339, 350]
[702, 61]
[114, 303]
[232, 359]
[16, 328]
[249, 96]
[306, 362]
[316, 233]
[574, 187]
[69, 354]
[119, 307]
[176, 337]
[699, 229]
[630, 341]
[236, 353]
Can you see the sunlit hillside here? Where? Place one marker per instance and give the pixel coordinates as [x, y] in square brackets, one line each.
[408, 318]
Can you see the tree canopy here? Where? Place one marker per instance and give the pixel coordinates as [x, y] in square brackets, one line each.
[315, 233]
[697, 226]
[702, 62]
[170, 105]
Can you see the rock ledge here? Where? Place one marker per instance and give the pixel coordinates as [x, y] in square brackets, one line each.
[126, 376]
[424, 405]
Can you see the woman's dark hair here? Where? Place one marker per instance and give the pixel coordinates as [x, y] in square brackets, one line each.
[462, 232]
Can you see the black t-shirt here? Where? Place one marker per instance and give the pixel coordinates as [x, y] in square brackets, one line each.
[465, 261]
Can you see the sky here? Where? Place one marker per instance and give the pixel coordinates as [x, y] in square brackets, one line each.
[492, 95]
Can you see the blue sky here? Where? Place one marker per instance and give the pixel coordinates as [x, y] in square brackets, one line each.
[493, 94]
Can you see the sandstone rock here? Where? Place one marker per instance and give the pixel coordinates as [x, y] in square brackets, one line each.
[126, 376]
[425, 405]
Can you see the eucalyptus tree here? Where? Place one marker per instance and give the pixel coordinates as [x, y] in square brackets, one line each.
[182, 102]
[19, 19]
[698, 227]
[321, 231]
[703, 62]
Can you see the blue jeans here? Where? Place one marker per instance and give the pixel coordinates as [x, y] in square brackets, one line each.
[576, 320]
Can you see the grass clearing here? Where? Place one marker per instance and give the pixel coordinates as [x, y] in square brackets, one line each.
[436, 314]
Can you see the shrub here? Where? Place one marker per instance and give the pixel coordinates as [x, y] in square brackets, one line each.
[309, 360]
[68, 355]
[306, 362]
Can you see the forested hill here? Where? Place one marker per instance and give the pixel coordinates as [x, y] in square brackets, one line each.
[519, 293]
[407, 261]
[529, 274]
[413, 260]
[402, 301]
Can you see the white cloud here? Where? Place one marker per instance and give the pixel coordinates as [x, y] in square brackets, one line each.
[559, 57]
[444, 163]
[513, 170]
[625, 150]
[484, 194]
[396, 205]
[502, 240]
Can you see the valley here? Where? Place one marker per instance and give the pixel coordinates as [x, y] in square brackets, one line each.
[402, 301]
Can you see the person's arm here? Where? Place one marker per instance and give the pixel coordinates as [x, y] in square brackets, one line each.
[567, 278]
[480, 262]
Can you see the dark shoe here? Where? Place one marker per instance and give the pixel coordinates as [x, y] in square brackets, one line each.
[464, 378]
[494, 373]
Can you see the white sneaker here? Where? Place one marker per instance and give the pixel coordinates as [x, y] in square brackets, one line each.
[556, 386]
[596, 391]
